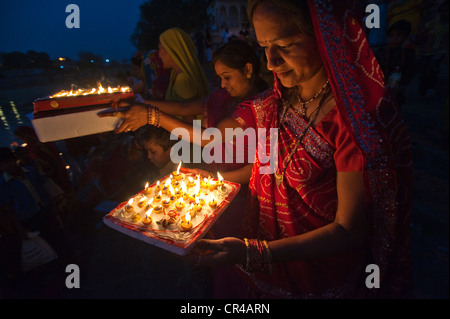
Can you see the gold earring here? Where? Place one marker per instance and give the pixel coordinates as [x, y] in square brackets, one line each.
[249, 75]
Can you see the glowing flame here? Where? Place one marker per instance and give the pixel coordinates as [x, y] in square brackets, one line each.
[219, 176]
[99, 90]
[130, 202]
[149, 212]
[188, 217]
[178, 169]
[183, 187]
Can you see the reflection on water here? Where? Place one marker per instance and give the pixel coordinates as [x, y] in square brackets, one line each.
[15, 106]
[10, 119]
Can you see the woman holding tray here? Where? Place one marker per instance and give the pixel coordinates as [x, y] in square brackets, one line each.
[333, 220]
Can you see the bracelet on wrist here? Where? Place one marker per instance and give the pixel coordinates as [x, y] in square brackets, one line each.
[259, 256]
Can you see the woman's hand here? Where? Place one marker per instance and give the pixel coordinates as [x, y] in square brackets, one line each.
[225, 251]
[134, 118]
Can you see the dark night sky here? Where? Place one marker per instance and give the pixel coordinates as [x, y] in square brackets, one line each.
[106, 27]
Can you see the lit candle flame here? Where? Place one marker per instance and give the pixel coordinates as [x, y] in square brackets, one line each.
[84, 92]
[178, 169]
[219, 176]
[146, 185]
[130, 202]
[149, 212]
[196, 189]
[183, 187]
[188, 217]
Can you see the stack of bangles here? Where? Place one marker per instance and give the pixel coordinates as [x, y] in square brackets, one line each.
[154, 115]
[259, 257]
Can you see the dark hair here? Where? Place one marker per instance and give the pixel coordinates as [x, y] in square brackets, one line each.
[295, 10]
[157, 135]
[402, 26]
[236, 54]
[6, 154]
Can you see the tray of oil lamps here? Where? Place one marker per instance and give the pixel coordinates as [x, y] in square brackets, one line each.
[81, 98]
[174, 212]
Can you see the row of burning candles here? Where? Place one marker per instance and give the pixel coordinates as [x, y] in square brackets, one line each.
[99, 90]
[178, 194]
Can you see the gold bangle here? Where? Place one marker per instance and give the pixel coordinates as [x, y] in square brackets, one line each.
[269, 257]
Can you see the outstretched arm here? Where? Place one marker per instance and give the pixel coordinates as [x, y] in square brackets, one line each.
[348, 231]
[137, 115]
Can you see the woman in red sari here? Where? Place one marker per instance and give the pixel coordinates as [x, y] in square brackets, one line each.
[339, 200]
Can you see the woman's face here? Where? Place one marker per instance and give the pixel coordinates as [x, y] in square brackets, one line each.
[293, 56]
[165, 57]
[233, 80]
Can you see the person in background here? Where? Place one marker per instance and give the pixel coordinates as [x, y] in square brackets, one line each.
[115, 171]
[136, 79]
[397, 61]
[156, 76]
[208, 45]
[187, 79]
[157, 145]
[46, 156]
[22, 193]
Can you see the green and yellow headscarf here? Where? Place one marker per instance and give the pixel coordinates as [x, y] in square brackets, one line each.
[181, 48]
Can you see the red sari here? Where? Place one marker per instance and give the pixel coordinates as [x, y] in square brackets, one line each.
[364, 131]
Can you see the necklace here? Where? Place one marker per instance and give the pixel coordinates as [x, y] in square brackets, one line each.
[279, 177]
[302, 110]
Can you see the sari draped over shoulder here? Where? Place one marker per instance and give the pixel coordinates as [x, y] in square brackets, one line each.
[364, 131]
